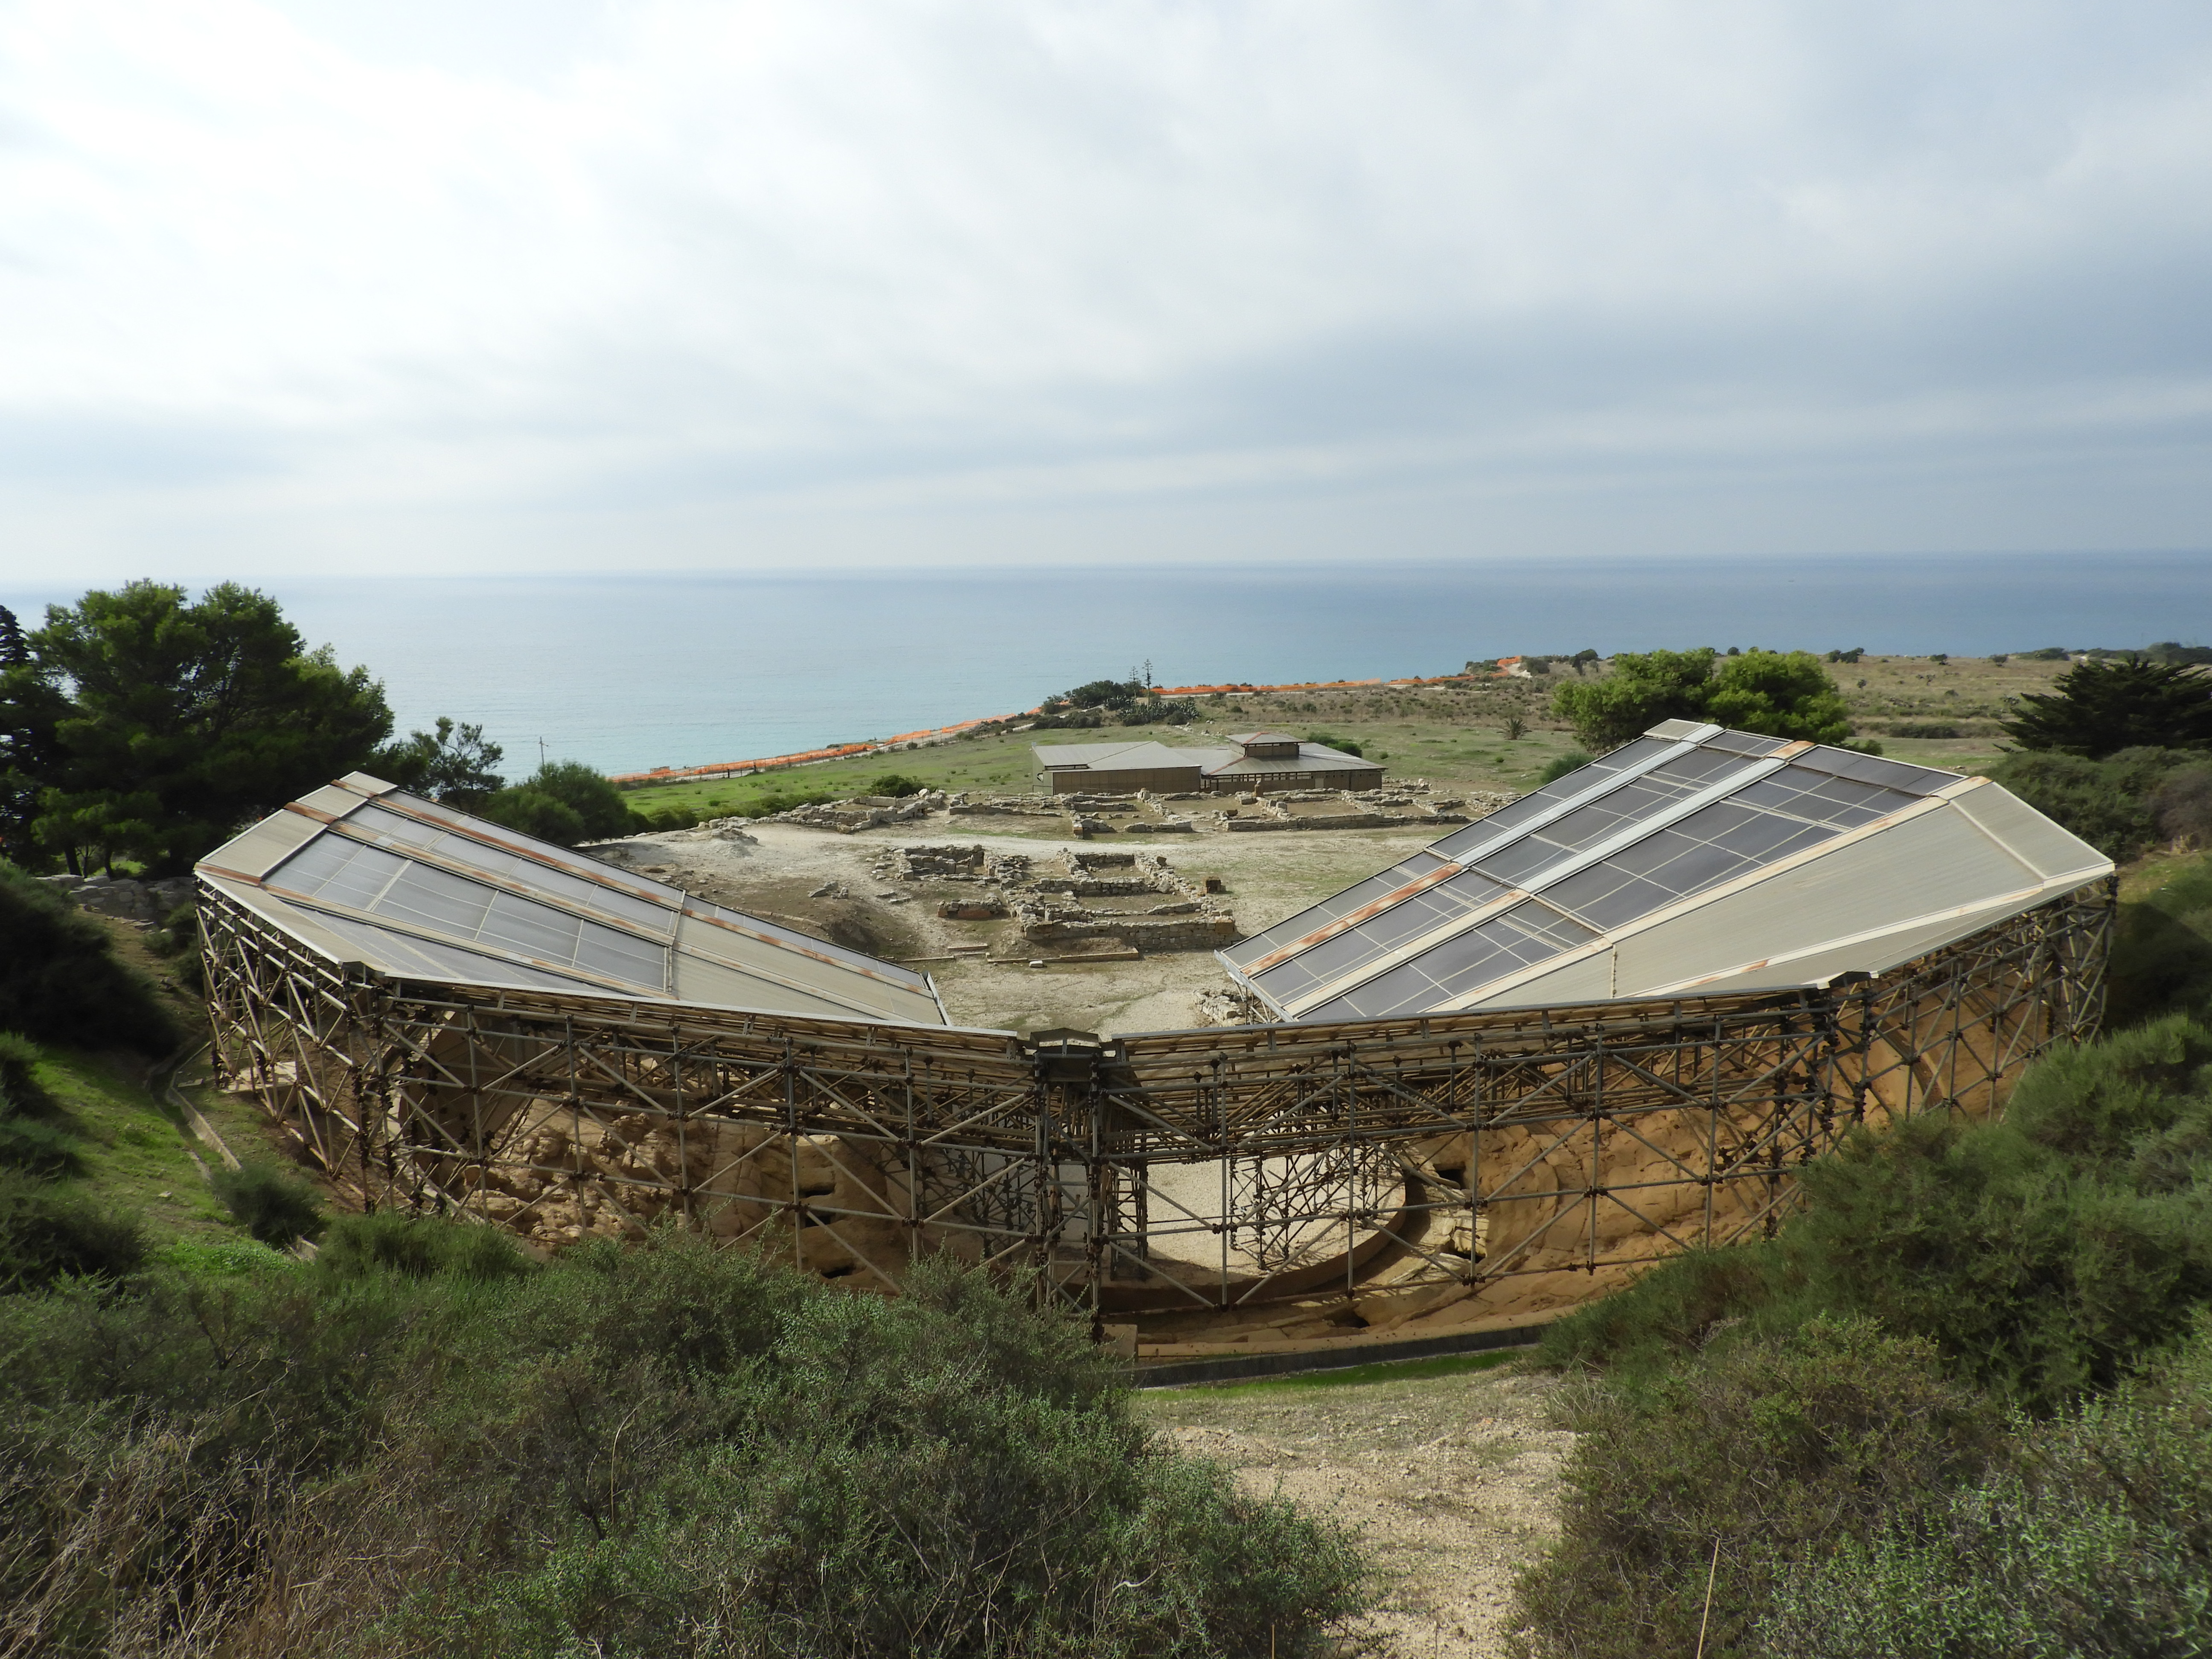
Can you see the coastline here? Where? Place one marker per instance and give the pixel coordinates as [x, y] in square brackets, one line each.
[741, 769]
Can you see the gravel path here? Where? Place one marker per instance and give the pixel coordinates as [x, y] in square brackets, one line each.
[1453, 1480]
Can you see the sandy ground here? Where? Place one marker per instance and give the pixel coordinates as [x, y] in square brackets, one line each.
[1452, 1480]
[775, 869]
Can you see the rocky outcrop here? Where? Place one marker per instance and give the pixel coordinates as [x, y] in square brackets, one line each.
[865, 811]
[127, 900]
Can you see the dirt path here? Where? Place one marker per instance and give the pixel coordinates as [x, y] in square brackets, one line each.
[1453, 1480]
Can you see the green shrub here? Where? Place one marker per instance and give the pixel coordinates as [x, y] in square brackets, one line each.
[667, 817]
[47, 1235]
[2182, 805]
[2043, 1255]
[663, 1449]
[276, 1206]
[1675, 1309]
[2092, 1540]
[418, 1247]
[536, 813]
[2041, 1262]
[178, 935]
[61, 983]
[221, 1258]
[1741, 1463]
[1573, 761]
[35, 1132]
[2037, 1281]
[1785, 694]
[2161, 960]
[897, 785]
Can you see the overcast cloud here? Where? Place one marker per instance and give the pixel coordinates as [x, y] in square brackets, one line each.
[438, 285]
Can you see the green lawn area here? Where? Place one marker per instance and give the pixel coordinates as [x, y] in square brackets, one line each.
[1454, 743]
[134, 1149]
[996, 764]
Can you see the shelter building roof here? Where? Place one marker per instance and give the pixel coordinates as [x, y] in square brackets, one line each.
[362, 872]
[1144, 756]
[1693, 860]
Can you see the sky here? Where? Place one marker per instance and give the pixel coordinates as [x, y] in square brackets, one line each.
[435, 287]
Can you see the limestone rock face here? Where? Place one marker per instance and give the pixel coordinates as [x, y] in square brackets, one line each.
[128, 900]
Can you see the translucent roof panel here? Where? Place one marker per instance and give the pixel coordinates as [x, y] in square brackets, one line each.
[1634, 842]
[1528, 934]
[1483, 832]
[1422, 914]
[412, 889]
[1247, 951]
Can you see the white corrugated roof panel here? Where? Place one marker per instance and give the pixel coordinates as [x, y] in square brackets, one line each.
[368, 874]
[1690, 853]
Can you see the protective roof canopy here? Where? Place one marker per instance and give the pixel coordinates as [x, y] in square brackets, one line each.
[365, 872]
[1694, 859]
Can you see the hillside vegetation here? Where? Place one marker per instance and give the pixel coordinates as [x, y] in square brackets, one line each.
[1961, 1405]
[426, 1443]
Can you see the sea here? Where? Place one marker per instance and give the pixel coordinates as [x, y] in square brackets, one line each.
[627, 672]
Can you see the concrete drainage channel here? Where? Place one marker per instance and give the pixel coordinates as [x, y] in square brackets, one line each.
[1238, 1368]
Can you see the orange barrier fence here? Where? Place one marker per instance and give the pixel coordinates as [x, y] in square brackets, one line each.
[802, 757]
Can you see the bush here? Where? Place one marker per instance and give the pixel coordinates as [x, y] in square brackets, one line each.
[2181, 805]
[47, 1235]
[1785, 694]
[667, 817]
[2043, 1255]
[897, 785]
[1573, 761]
[1676, 1310]
[2094, 1538]
[565, 802]
[535, 813]
[1741, 1463]
[2162, 961]
[33, 1136]
[663, 1449]
[179, 934]
[1343, 745]
[419, 1247]
[61, 983]
[277, 1207]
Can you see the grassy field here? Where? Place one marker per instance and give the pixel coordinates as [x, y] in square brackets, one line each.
[135, 1150]
[1941, 714]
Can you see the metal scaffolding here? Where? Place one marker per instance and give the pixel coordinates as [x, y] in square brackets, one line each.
[1203, 1170]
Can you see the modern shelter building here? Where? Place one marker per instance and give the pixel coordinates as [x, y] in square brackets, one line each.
[1693, 861]
[1607, 1022]
[1259, 761]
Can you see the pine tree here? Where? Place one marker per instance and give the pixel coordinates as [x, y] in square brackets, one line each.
[14, 649]
[2098, 707]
